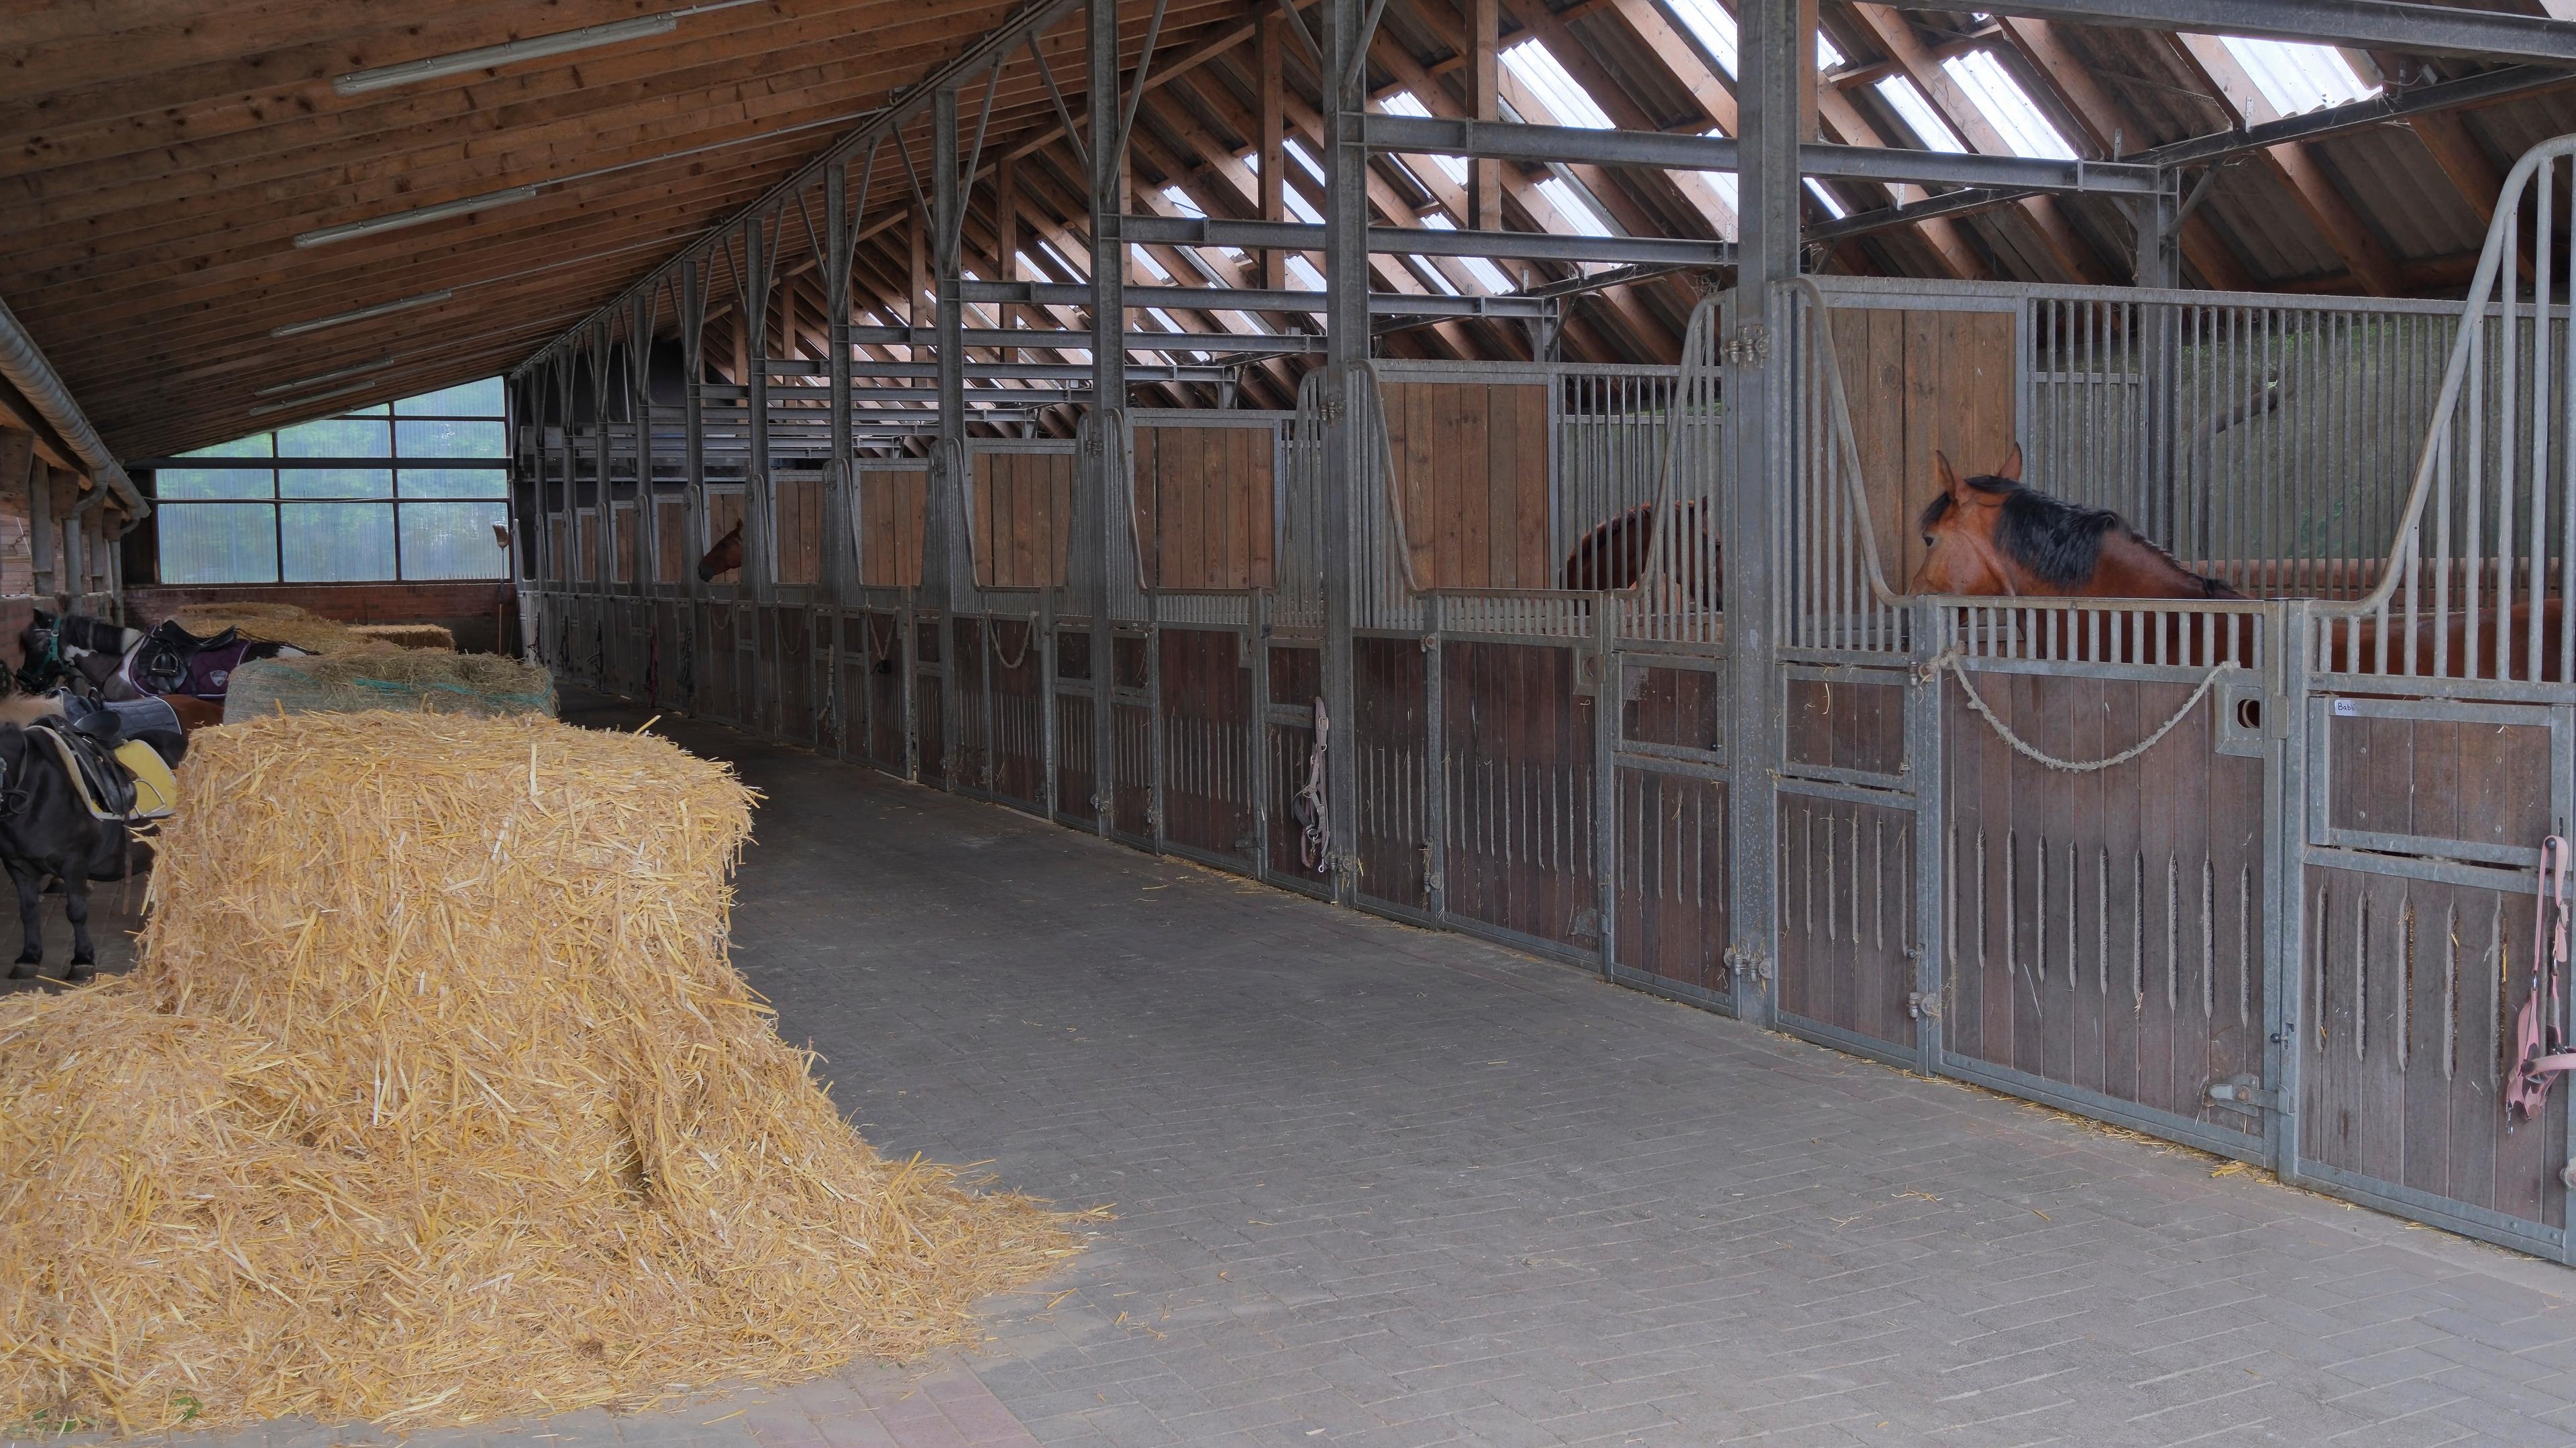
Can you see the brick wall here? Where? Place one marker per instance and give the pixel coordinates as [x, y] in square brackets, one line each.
[467, 610]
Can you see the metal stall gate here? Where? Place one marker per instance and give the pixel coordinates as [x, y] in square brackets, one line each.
[2431, 721]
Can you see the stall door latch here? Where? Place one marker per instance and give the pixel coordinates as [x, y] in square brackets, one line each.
[1750, 345]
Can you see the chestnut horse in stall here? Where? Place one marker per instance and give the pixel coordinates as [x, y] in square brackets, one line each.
[1993, 536]
[724, 557]
[1613, 556]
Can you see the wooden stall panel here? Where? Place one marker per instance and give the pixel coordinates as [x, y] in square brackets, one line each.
[1206, 699]
[1470, 464]
[2408, 997]
[1846, 726]
[881, 655]
[1204, 506]
[1674, 708]
[1022, 518]
[627, 546]
[724, 512]
[2104, 930]
[1520, 782]
[969, 758]
[792, 674]
[1920, 382]
[1018, 710]
[800, 528]
[894, 512]
[1388, 738]
[671, 561]
[1846, 874]
[2439, 780]
[1672, 878]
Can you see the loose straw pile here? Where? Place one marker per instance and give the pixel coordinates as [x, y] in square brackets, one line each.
[280, 623]
[434, 1099]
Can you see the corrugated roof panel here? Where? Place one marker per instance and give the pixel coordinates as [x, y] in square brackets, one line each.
[2403, 193]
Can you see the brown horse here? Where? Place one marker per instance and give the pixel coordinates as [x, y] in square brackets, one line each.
[1613, 556]
[1992, 536]
[725, 557]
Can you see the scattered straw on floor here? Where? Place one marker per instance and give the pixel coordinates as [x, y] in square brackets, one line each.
[434, 1099]
[282, 623]
[414, 680]
[407, 635]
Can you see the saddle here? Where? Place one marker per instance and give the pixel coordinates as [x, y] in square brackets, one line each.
[117, 778]
[171, 660]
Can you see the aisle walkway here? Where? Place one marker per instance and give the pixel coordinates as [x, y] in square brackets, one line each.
[1380, 1186]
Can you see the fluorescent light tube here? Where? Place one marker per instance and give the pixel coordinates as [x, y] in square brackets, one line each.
[415, 217]
[425, 299]
[267, 407]
[358, 82]
[319, 378]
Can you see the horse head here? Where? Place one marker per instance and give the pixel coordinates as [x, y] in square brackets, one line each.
[1963, 530]
[725, 557]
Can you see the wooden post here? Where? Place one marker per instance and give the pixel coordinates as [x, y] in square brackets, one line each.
[1484, 174]
[1006, 236]
[41, 533]
[1268, 153]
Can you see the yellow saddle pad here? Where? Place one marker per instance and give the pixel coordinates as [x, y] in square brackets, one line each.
[156, 788]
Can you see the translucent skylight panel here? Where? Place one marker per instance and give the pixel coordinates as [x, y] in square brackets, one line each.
[1430, 271]
[1147, 264]
[1027, 268]
[1917, 113]
[1180, 201]
[1571, 105]
[2298, 78]
[1297, 152]
[1824, 198]
[1715, 29]
[1487, 275]
[1573, 206]
[1300, 207]
[1405, 103]
[2006, 106]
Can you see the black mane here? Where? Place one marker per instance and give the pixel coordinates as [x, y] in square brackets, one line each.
[2057, 540]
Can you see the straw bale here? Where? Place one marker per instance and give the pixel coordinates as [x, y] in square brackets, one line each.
[282, 623]
[434, 1099]
[418, 680]
[408, 635]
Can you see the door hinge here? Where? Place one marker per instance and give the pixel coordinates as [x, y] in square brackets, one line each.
[1748, 964]
[1328, 409]
[1750, 344]
[1923, 1005]
[2243, 1093]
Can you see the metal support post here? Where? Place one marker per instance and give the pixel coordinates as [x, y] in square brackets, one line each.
[1346, 431]
[943, 550]
[1776, 42]
[693, 442]
[648, 515]
[2285, 827]
[759, 544]
[2159, 264]
[1109, 386]
[1932, 880]
[840, 489]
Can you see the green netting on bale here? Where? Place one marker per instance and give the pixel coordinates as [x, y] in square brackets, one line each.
[412, 680]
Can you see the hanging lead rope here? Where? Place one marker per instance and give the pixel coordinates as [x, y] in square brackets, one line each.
[1950, 660]
[1315, 845]
[1028, 635]
[2540, 1032]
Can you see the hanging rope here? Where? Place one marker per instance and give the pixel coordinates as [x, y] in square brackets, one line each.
[881, 650]
[1028, 633]
[1949, 659]
[2541, 1041]
[1315, 844]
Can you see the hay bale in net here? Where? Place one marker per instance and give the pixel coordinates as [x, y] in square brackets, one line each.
[415, 680]
[282, 623]
[435, 1099]
[407, 635]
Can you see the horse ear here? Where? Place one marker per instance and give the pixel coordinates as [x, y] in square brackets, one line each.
[1949, 479]
[2011, 470]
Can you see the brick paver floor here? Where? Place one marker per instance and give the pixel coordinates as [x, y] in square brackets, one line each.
[1375, 1185]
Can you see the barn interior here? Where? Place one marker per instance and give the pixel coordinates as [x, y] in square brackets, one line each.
[1637, 721]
